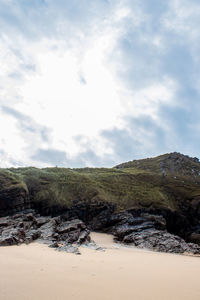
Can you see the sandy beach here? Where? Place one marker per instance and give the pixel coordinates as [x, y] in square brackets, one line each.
[30, 272]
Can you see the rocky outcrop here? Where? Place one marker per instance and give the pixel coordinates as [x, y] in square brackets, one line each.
[28, 226]
[143, 230]
[149, 231]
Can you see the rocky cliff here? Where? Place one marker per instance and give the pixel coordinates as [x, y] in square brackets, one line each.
[165, 187]
[14, 195]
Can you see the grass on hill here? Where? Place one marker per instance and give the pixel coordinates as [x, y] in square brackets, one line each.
[133, 185]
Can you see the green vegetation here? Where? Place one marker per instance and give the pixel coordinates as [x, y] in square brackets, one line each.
[157, 182]
[170, 163]
[9, 180]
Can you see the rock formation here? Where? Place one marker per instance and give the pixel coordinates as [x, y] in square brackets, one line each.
[144, 231]
[151, 203]
[27, 226]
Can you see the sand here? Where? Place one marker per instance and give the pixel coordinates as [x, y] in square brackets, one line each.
[37, 272]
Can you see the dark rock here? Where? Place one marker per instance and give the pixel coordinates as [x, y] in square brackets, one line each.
[120, 218]
[11, 236]
[63, 246]
[26, 227]
[42, 220]
[13, 199]
[194, 237]
[158, 221]
[5, 221]
[23, 214]
[95, 214]
[32, 235]
[70, 237]
[146, 230]
[73, 231]
[102, 220]
[84, 237]
[47, 230]
[158, 240]
[142, 228]
[123, 230]
[29, 218]
[92, 245]
[54, 245]
[69, 249]
[68, 226]
[8, 240]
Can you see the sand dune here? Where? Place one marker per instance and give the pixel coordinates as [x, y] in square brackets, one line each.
[38, 272]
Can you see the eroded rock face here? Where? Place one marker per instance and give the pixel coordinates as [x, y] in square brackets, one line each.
[28, 226]
[13, 200]
[149, 231]
[142, 229]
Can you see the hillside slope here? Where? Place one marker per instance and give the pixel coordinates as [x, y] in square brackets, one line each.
[168, 185]
[166, 181]
[170, 163]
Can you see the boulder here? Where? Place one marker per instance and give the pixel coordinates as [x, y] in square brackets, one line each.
[32, 235]
[12, 236]
[72, 231]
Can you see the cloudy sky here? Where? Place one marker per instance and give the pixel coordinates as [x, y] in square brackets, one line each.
[98, 82]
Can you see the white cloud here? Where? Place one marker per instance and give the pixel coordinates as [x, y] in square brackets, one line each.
[146, 101]
[54, 95]
[183, 18]
[66, 78]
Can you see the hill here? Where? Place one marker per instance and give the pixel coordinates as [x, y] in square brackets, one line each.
[168, 184]
[160, 182]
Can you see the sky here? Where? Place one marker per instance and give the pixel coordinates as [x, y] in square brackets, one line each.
[98, 82]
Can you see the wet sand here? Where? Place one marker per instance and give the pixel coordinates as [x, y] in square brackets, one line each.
[36, 272]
